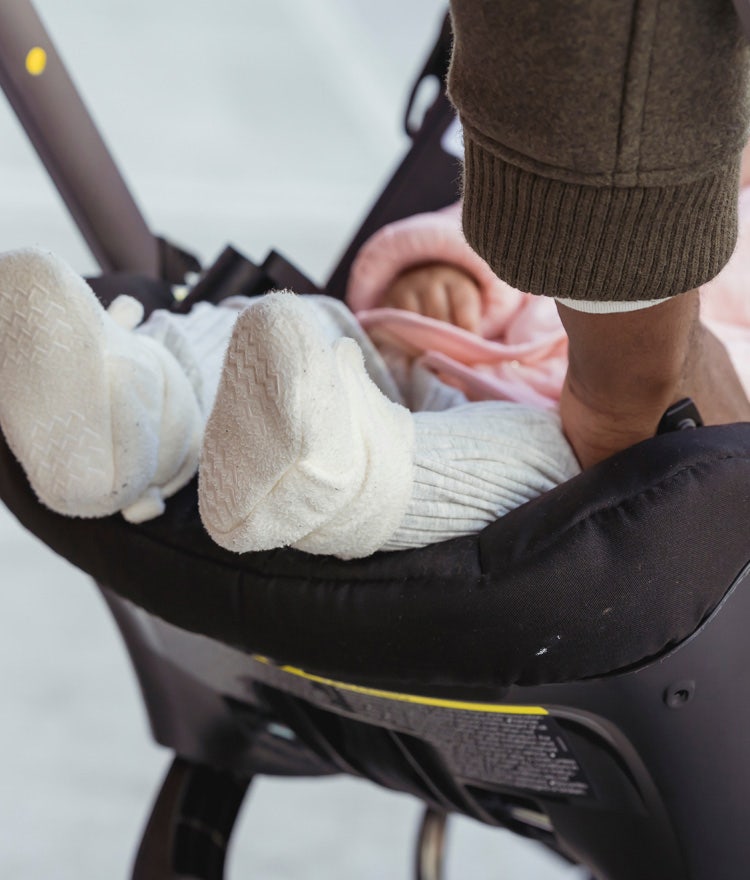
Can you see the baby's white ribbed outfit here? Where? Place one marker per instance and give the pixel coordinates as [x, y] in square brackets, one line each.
[312, 437]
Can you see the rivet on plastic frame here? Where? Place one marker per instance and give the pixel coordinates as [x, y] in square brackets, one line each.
[36, 61]
[679, 694]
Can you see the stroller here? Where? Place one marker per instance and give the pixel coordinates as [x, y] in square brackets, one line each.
[571, 673]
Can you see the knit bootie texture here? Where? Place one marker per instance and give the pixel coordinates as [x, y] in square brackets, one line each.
[301, 449]
[101, 419]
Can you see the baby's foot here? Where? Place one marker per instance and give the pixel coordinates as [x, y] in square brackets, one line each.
[301, 448]
[100, 418]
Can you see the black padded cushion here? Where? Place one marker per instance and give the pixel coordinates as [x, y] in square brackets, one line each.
[600, 573]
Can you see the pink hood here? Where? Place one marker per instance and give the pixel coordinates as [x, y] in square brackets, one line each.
[520, 352]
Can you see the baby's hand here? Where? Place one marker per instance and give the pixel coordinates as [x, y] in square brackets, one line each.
[437, 290]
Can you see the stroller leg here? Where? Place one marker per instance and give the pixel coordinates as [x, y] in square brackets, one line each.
[190, 825]
[430, 846]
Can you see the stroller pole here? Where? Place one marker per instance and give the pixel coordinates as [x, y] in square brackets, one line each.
[68, 143]
[430, 846]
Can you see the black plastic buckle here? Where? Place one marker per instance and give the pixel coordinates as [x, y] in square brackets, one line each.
[233, 274]
[681, 416]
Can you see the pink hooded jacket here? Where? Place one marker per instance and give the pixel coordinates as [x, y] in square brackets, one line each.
[520, 352]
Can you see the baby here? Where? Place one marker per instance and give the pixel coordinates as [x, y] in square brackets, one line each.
[300, 424]
[308, 442]
[305, 431]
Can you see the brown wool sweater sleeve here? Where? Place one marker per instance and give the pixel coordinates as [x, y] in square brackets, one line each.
[602, 141]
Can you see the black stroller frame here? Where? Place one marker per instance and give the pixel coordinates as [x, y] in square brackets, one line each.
[575, 673]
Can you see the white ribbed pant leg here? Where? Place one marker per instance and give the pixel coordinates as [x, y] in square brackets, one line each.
[476, 462]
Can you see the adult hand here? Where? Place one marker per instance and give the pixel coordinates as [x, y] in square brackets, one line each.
[626, 369]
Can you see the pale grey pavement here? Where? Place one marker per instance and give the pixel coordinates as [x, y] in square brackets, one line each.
[265, 124]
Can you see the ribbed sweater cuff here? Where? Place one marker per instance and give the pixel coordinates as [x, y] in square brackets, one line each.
[603, 243]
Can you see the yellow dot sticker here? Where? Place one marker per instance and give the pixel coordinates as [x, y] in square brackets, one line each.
[36, 61]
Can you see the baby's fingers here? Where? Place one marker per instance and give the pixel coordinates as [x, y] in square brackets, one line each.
[439, 291]
[402, 296]
[466, 304]
[434, 301]
[422, 291]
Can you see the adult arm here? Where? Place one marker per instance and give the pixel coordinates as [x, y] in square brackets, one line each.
[602, 162]
[625, 369]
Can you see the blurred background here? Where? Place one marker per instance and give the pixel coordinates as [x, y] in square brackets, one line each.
[271, 123]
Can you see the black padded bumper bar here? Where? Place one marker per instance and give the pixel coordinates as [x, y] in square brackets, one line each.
[602, 572]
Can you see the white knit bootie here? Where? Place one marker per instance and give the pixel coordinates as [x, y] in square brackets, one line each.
[301, 448]
[100, 418]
